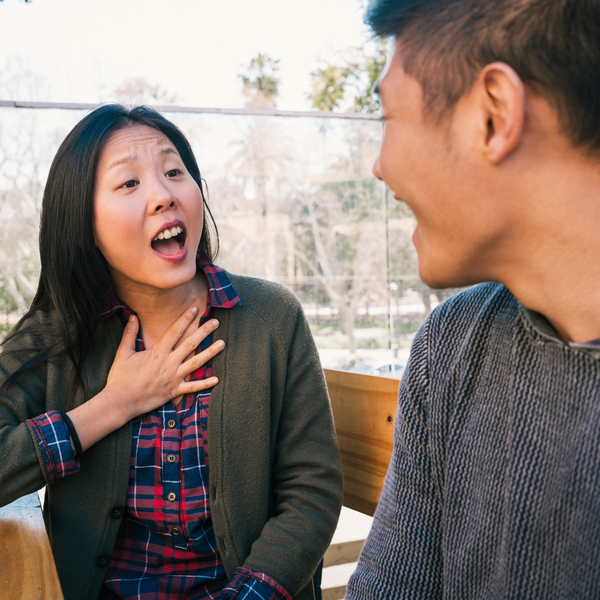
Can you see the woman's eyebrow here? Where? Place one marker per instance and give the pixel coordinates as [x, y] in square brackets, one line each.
[133, 157]
[169, 151]
[121, 161]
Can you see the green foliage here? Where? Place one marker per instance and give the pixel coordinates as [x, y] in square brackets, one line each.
[351, 78]
[328, 87]
[261, 81]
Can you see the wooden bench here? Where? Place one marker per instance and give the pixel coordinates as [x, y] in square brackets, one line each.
[364, 409]
[27, 570]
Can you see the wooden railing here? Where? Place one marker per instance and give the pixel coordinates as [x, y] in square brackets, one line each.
[27, 570]
[364, 407]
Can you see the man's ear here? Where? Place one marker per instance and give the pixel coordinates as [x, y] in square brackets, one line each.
[503, 97]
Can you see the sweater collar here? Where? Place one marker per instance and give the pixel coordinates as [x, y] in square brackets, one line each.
[542, 327]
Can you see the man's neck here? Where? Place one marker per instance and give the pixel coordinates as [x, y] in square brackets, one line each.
[555, 267]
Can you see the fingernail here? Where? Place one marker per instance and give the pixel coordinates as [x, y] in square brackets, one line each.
[194, 310]
[214, 324]
[131, 318]
[220, 344]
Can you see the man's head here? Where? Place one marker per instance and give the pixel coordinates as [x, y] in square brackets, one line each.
[481, 101]
[553, 45]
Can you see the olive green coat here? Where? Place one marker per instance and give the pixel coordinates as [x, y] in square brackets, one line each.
[275, 480]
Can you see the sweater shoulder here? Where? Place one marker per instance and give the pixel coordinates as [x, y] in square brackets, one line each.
[463, 325]
[267, 298]
[267, 306]
[34, 332]
[481, 304]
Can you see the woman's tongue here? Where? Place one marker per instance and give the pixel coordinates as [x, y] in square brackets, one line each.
[167, 246]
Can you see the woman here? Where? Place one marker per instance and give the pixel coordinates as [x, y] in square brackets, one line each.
[119, 393]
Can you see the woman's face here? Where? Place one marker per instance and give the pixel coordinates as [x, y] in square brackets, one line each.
[148, 211]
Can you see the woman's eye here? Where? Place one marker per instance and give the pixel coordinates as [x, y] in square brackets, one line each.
[173, 173]
[129, 184]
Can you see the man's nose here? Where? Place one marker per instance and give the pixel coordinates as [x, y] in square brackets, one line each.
[377, 169]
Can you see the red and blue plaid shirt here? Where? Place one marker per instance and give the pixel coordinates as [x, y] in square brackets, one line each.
[166, 547]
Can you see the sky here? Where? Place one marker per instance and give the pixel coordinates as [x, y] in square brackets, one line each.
[81, 50]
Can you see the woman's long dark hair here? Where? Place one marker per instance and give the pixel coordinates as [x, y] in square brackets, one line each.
[74, 278]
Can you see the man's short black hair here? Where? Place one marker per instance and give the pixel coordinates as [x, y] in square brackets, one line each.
[554, 46]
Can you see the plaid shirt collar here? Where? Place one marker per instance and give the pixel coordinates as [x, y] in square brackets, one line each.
[221, 293]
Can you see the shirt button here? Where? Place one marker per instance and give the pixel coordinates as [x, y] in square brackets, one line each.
[116, 512]
[171, 496]
[171, 458]
[102, 561]
[175, 531]
[171, 423]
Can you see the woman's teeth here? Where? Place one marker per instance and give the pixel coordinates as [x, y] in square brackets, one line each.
[167, 234]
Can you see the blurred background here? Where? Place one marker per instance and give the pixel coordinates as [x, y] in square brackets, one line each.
[293, 196]
[277, 101]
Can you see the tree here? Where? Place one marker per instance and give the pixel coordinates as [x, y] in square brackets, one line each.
[350, 78]
[136, 91]
[255, 225]
[342, 246]
[261, 82]
[24, 148]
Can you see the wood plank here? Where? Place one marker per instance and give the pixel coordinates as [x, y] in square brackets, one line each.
[364, 409]
[341, 554]
[27, 570]
[336, 593]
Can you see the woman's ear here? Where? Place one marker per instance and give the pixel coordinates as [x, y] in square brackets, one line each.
[503, 96]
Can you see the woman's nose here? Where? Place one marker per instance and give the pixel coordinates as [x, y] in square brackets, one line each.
[160, 197]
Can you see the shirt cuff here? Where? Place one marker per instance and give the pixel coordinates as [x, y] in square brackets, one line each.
[252, 585]
[54, 440]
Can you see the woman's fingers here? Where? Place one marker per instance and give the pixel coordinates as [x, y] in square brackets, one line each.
[127, 343]
[196, 361]
[170, 338]
[191, 387]
[161, 370]
[189, 345]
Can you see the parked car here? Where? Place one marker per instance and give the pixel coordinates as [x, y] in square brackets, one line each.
[392, 369]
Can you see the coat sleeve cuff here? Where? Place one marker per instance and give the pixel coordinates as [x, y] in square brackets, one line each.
[246, 585]
[54, 440]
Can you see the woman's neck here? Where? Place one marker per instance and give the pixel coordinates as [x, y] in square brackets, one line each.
[157, 310]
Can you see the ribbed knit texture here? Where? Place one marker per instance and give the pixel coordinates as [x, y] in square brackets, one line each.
[494, 487]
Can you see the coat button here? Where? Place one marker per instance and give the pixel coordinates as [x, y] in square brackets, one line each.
[175, 531]
[171, 496]
[171, 458]
[117, 512]
[102, 561]
[171, 423]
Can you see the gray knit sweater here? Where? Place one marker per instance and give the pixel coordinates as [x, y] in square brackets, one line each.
[494, 486]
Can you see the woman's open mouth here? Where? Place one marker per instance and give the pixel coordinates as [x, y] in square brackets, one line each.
[170, 241]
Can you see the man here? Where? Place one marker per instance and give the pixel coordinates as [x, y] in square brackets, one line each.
[491, 114]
